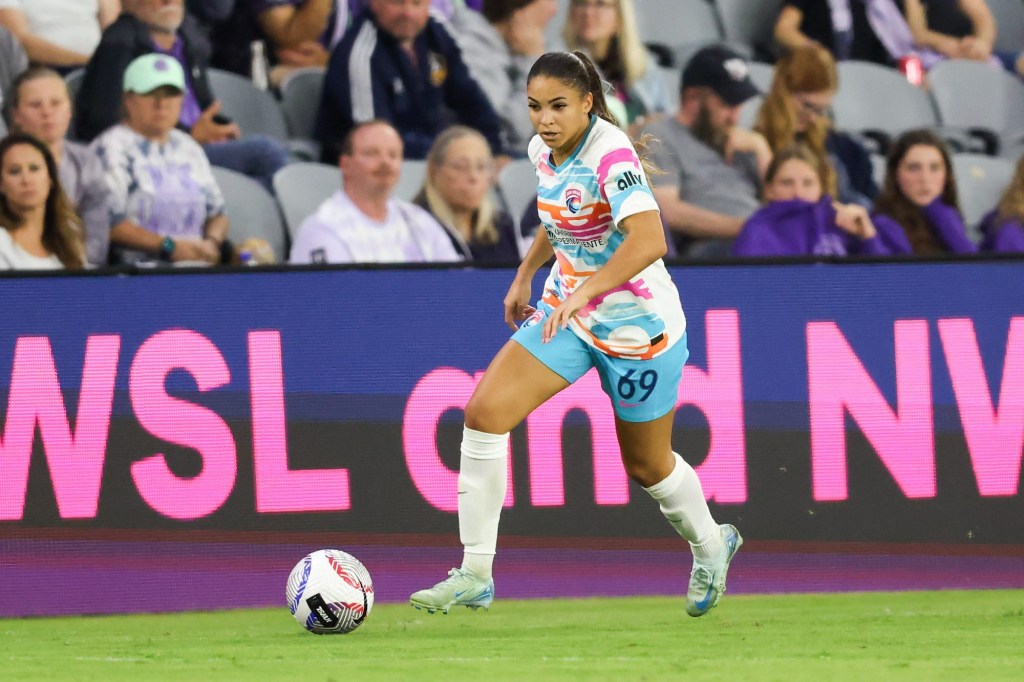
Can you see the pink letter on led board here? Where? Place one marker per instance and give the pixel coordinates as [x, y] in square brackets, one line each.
[718, 393]
[837, 381]
[75, 460]
[995, 437]
[278, 488]
[182, 423]
[544, 433]
[441, 390]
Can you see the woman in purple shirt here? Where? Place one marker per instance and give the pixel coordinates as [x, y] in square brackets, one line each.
[801, 220]
[1003, 227]
[917, 209]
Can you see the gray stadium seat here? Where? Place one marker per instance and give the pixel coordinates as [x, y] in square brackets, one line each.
[674, 23]
[878, 169]
[300, 100]
[517, 185]
[1009, 17]
[301, 188]
[971, 94]
[762, 75]
[255, 111]
[876, 98]
[410, 182]
[749, 22]
[748, 114]
[251, 210]
[980, 181]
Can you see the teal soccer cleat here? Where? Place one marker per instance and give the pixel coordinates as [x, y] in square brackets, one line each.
[707, 581]
[462, 587]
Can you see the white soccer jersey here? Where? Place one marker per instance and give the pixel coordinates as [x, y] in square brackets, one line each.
[581, 203]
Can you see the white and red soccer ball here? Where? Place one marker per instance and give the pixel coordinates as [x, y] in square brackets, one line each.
[329, 592]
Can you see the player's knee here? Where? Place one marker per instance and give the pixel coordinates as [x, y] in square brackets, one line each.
[480, 416]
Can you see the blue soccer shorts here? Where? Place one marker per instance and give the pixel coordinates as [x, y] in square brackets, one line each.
[640, 390]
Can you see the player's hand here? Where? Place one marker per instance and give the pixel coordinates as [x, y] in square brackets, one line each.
[517, 303]
[563, 313]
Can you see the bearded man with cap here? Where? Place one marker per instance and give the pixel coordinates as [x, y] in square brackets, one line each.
[712, 168]
[164, 201]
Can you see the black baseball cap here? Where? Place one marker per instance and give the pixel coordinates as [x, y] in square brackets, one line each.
[723, 70]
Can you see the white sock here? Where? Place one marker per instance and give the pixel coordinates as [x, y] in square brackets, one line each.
[682, 502]
[483, 480]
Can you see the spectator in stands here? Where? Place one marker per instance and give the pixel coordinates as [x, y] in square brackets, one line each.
[796, 109]
[607, 31]
[13, 61]
[38, 228]
[800, 219]
[460, 178]
[712, 169]
[40, 106]
[398, 64]
[959, 29]
[161, 27]
[297, 34]
[164, 200]
[59, 33]
[500, 44]
[1003, 228]
[362, 222]
[919, 198]
[210, 13]
[840, 26]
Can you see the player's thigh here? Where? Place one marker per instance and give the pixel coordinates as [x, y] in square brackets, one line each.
[646, 448]
[523, 375]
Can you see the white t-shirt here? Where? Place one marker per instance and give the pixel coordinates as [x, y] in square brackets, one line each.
[72, 24]
[13, 257]
[340, 233]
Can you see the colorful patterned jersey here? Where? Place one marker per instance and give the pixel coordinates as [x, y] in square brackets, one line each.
[581, 204]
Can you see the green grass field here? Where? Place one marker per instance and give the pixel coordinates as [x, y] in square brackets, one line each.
[976, 635]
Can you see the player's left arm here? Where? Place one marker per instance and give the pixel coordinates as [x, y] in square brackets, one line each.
[644, 244]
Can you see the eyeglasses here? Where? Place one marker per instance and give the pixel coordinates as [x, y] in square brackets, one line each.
[811, 108]
[595, 4]
[467, 166]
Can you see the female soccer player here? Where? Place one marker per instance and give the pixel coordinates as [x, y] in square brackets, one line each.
[608, 303]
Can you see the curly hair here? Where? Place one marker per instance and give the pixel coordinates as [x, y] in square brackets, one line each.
[62, 228]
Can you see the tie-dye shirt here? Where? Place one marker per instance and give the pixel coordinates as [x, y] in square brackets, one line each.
[581, 203]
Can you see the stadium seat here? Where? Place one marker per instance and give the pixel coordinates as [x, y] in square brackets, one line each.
[301, 188]
[973, 95]
[668, 25]
[1009, 18]
[878, 169]
[300, 99]
[864, 87]
[762, 75]
[748, 114]
[980, 181]
[750, 23]
[251, 210]
[517, 185]
[255, 111]
[410, 182]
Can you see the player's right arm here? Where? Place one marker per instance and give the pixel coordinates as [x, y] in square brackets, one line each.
[517, 300]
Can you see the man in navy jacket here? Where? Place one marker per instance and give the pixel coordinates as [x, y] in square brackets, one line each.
[399, 64]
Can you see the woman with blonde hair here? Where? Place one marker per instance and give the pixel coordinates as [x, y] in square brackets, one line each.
[457, 192]
[607, 31]
[38, 228]
[796, 110]
[1004, 227]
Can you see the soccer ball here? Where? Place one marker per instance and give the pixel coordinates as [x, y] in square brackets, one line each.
[329, 592]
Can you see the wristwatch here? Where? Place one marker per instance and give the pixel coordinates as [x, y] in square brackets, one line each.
[167, 247]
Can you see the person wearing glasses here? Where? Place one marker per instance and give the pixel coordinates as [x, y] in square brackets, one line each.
[607, 31]
[797, 109]
[457, 192]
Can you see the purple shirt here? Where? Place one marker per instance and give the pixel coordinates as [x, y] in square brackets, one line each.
[945, 222]
[802, 228]
[190, 110]
[1002, 236]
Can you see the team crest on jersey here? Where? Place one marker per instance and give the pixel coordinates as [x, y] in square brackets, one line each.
[573, 199]
[438, 69]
